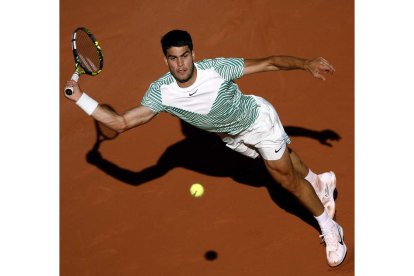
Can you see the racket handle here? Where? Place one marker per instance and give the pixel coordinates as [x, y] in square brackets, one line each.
[69, 90]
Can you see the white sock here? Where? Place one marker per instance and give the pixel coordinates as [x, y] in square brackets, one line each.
[314, 180]
[325, 222]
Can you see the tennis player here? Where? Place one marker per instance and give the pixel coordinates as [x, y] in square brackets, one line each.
[205, 95]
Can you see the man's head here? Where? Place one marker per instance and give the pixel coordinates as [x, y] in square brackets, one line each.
[177, 47]
[176, 38]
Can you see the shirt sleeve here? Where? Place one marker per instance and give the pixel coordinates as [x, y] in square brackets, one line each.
[229, 68]
[152, 99]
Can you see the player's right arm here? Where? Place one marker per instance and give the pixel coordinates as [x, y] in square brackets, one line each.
[132, 118]
[119, 122]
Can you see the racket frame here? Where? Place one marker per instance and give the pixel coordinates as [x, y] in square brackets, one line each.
[79, 69]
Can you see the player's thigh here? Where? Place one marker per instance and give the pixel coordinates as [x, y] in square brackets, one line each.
[281, 169]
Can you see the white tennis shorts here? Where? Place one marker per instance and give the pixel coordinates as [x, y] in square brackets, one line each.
[266, 136]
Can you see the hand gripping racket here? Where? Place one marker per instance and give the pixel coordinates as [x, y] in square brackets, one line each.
[87, 53]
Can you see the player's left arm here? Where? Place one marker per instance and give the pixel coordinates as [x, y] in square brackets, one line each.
[315, 66]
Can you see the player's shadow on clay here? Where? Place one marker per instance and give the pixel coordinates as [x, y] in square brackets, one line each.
[205, 153]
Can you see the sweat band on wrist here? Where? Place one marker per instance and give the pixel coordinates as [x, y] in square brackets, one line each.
[87, 104]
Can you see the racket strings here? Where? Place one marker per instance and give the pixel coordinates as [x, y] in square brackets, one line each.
[89, 57]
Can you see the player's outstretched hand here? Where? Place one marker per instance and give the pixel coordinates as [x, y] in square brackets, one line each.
[318, 66]
[76, 90]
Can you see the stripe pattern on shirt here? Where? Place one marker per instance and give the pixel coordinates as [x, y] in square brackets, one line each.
[213, 103]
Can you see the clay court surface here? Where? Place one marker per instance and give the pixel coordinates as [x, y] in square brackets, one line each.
[131, 213]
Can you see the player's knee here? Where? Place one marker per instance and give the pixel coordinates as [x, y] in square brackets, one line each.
[292, 184]
[286, 178]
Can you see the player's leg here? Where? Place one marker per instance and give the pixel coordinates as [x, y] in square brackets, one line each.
[298, 164]
[268, 137]
[283, 171]
[324, 184]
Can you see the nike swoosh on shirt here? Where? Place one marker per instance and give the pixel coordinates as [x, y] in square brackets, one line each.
[190, 94]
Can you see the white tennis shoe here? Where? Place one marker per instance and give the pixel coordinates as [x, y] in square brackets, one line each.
[327, 194]
[334, 243]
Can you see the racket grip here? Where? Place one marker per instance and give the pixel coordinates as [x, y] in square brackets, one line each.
[75, 77]
[69, 90]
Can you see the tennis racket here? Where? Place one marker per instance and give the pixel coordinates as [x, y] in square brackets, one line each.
[87, 53]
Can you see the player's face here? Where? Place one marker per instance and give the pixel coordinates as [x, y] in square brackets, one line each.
[180, 60]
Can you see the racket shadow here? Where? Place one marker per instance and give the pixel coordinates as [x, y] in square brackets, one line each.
[205, 153]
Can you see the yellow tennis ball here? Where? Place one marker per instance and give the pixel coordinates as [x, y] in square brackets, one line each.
[197, 190]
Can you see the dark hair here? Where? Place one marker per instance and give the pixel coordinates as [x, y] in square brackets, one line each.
[176, 38]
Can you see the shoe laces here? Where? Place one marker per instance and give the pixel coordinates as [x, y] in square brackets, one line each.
[330, 238]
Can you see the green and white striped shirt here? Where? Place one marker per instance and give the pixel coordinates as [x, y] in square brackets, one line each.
[213, 102]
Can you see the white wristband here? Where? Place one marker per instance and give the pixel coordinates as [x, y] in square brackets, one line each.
[87, 103]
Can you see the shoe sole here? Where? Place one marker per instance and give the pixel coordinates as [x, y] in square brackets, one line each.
[341, 231]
